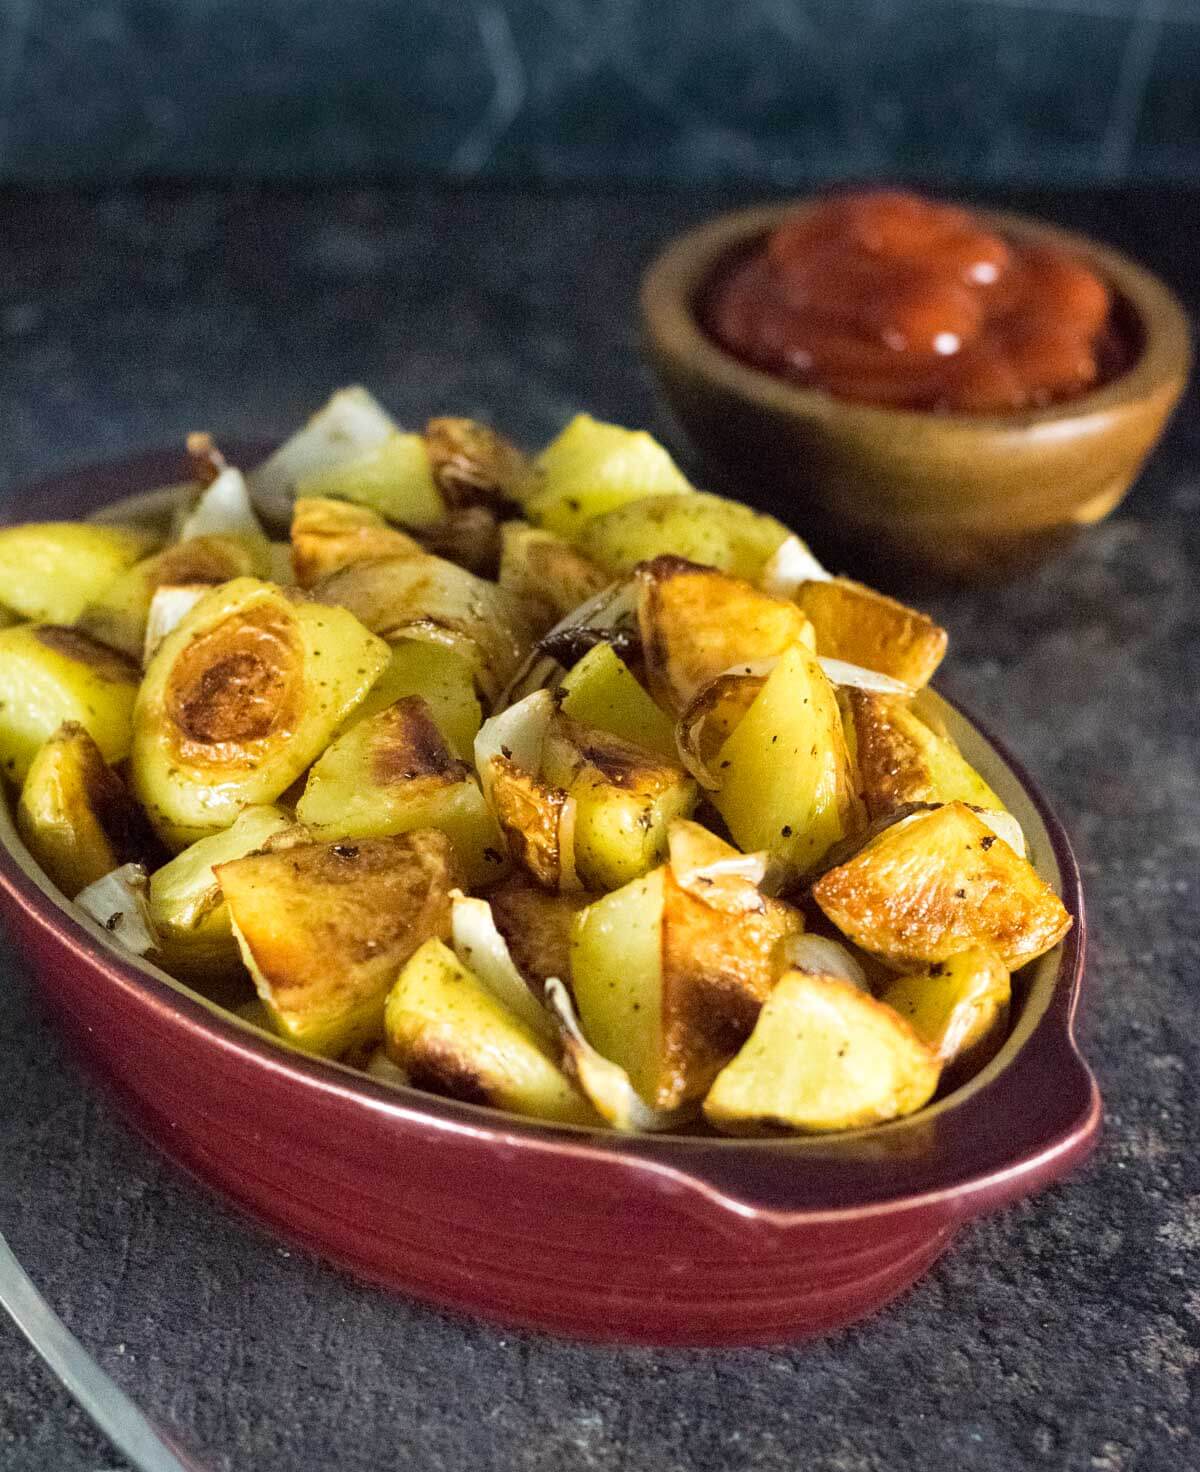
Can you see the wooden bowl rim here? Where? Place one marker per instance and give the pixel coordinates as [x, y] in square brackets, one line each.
[689, 262]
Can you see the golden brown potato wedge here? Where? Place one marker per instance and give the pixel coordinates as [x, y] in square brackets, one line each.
[452, 1036]
[240, 698]
[823, 1056]
[601, 691]
[670, 972]
[625, 797]
[958, 1007]
[50, 674]
[938, 883]
[786, 783]
[435, 601]
[536, 926]
[118, 617]
[323, 929]
[51, 570]
[863, 627]
[537, 820]
[546, 574]
[328, 535]
[186, 904]
[697, 624]
[393, 772]
[901, 761]
[472, 463]
[75, 815]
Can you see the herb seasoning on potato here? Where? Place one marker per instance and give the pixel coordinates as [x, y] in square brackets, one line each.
[655, 830]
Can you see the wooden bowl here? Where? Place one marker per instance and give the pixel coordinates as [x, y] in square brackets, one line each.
[646, 1239]
[955, 493]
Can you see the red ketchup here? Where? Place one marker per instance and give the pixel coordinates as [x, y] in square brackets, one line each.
[886, 298]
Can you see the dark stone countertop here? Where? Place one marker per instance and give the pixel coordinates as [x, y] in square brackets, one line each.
[1062, 1334]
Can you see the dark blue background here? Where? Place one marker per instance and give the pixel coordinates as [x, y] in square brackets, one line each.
[771, 92]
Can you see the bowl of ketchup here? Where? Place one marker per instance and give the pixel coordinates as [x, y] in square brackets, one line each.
[952, 389]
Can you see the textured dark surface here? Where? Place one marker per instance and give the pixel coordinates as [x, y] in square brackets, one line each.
[1064, 1334]
[691, 91]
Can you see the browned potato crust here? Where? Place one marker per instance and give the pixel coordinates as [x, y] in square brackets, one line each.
[938, 883]
[531, 813]
[536, 926]
[326, 927]
[472, 463]
[863, 627]
[697, 623]
[329, 535]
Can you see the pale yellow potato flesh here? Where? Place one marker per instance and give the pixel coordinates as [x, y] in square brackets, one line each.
[823, 1056]
[959, 1007]
[51, 570]
[453, 1036]
[601, 691]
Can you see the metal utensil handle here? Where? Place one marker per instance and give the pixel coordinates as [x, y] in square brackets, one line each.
[131, 1432]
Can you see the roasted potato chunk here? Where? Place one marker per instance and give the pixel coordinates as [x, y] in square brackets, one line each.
[323, 929]
[697, 624]
[786, 784]
[601, 691]
[703, 528]
[442, 678]
[239, 700]
[591, 468]
[452, 1036]
[537, 820]
[346, 428]
[670, 973]
[901, 761]
[49, 675]
[118, 617]
[546, 575]
[958, 1007]
[863, 627]
[394, 772]
[473, 464]
[75, 815]
[394, 478]
[938, 883]
[51, 570]
[186, 902]
[329, 535]
[625, 796]
[436, 602]
[536, 927]
[823, 1056]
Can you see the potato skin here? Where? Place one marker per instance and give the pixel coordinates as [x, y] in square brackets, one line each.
[49, 674]
[75, 815]
[938, 883]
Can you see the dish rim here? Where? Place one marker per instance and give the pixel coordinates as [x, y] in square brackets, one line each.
[740, 1176]
[689, 261]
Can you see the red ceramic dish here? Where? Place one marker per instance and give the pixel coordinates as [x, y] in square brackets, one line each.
[651, 1240]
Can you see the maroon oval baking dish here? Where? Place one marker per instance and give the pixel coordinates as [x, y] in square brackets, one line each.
[652, 1240]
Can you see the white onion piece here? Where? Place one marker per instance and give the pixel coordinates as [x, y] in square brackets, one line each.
[699, 859]
[380, 1067]
[821, 956]
[603, 612]
[481, 948]
[168, 608]
[789, 567]
[119, 903]
[568, 875]
[838, 672]
[605, 1083]
[1004, 826]
[350, 424]
[517, 734]
[224, 510]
